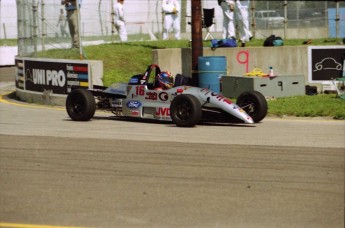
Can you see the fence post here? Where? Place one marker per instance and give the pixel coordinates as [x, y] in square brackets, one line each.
[112, 21]
[34, 25]
[337, 20]
[5, 35]
[285, 19]
[44, 30]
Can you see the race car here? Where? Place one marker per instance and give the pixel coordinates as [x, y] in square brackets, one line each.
[184, 105]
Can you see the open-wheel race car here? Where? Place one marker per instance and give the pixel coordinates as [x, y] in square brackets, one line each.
[184, 105]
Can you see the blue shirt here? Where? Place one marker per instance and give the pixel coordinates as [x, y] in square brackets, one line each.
[69, 6]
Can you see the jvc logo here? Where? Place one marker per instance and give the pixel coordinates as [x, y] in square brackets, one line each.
[163, 112]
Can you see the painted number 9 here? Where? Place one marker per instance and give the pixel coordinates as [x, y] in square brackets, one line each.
[243, 58]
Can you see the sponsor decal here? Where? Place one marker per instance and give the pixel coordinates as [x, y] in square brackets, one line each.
[83, 76]
[77, 75]
[140, 90]
[134, 112]
[163, 111]
[133, 104]
[77, 68]
[116, 103]
[216, 95]
[151, 96]
[163, 96]
[77, 83]
[117, 91]
[73, 83]
[70, 75]
[134, 80]
[51, 76]
[69, 67]
[84, 84]
[48, 77]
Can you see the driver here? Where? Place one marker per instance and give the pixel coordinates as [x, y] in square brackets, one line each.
[164, 80]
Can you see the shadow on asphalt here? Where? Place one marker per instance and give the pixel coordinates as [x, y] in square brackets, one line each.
[168, 124]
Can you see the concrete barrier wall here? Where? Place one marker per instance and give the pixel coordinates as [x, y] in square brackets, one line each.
[284, 60]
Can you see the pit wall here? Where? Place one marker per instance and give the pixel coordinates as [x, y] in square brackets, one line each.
[296, 60]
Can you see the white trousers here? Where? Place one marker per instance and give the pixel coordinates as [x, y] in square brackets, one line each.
[121, 29]
[228, 21]
[243, 24]
[171, 21]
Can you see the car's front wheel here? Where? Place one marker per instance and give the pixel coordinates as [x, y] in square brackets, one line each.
[80, 105]
[254, 103]
[185, 110]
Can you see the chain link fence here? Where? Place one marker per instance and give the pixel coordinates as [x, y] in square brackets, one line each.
[42, 23]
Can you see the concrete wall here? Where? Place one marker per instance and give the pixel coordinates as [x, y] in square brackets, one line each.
[284, 60]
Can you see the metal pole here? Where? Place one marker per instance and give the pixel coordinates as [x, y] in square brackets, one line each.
[337, 19]
[285, 19]
[19, 27]
[253, 22]
[100, 16]
[0, 24]
[197, 49]
[5, 34]
[34, 25]
[79, 31]
[44, 30]
[112, 21]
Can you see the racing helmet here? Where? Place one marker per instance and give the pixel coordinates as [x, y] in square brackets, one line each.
[165, 80]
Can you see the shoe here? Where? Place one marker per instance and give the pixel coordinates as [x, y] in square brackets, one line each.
[243, 44]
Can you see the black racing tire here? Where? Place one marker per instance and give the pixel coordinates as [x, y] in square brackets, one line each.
[254, 103]
[80, 105]
[185, 110]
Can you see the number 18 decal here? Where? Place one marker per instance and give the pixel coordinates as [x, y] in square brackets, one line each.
[140, 90]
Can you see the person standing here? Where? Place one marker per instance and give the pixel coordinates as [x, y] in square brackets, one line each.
[243, 22]
[119, 20]
[72, 18]
[62, 22]
[228, 7]
[171, 9]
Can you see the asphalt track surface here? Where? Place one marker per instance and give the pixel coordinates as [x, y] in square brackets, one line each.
[107, 172]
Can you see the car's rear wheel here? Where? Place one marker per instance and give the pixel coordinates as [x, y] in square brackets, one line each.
[254, 103]
[80, 105]
[185, 110]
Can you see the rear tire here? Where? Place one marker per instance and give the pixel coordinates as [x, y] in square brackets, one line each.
[80, 105]
[254, 103]
[185, 110]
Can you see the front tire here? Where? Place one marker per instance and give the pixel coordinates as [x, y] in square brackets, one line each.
[80, 105]
[185, 110]
[254, 103]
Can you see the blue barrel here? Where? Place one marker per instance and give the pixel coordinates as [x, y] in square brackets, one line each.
[211, 69]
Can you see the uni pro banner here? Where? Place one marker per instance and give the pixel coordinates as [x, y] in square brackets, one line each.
[56, 76]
